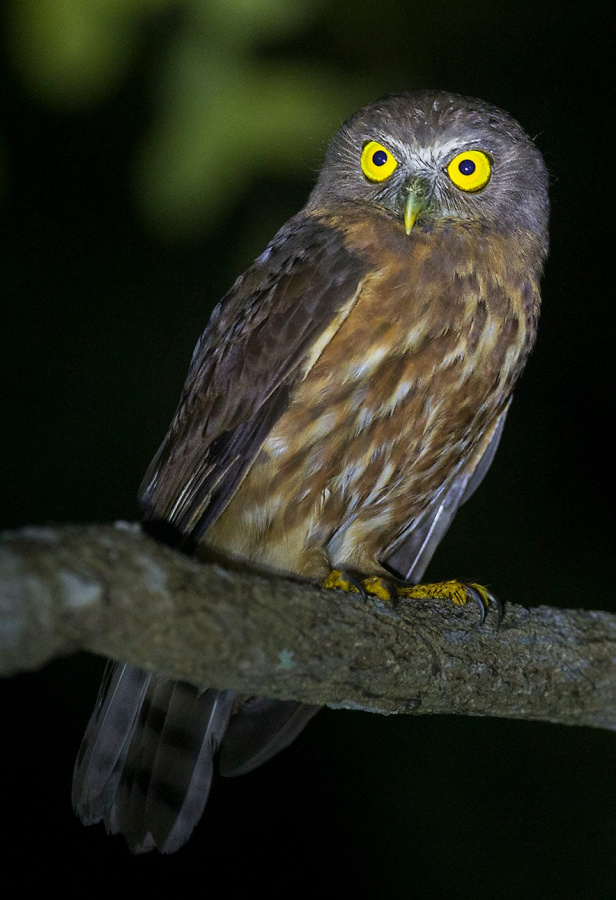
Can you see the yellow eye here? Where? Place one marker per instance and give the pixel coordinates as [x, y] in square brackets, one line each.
[377, 163]
[470, 171]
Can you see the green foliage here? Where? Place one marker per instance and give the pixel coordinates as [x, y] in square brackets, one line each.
[71, 54]
[223, 110]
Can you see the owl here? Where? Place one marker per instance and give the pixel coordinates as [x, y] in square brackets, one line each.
[347, 395]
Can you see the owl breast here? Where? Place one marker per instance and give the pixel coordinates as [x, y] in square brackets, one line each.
[389, 409]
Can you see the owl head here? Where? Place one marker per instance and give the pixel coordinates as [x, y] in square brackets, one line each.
[431, 157]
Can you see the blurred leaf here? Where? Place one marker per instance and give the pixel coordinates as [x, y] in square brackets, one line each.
[224, 118]
[249, 21]
[221, 112]
[72, 53]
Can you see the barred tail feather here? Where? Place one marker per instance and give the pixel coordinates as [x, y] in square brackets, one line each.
[105, 744]
[169, 769]
[145, 763]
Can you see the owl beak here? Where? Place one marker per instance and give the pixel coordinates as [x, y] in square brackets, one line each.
[416, 202]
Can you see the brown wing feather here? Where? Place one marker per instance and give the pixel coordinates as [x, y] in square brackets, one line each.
[243, 372]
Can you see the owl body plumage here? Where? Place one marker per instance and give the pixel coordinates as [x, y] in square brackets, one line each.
[347, 395]
[361, 448]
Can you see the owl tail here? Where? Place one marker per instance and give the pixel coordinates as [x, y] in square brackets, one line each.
[145, 764]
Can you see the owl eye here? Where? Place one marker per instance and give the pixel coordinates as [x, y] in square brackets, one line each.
[377, 163]
[470, 171]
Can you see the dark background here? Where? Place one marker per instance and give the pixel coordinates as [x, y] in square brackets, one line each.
[102, 302]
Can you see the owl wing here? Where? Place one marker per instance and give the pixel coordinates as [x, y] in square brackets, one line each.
[243, 373]
[411, 557]
[146, 760]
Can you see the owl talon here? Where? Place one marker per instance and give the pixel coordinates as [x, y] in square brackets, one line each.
[371, 586]
[338, 580]
[382, 588]
[479, 601]
[500, 608]
[459, 592]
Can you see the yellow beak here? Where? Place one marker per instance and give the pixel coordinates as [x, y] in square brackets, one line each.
[415, 204]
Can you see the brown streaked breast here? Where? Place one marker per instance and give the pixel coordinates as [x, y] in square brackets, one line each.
[393, 404]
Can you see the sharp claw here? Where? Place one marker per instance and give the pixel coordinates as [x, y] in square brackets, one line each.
[394, 596]
[500, 609]
[478, 600]
[357, 583]
[484, 603]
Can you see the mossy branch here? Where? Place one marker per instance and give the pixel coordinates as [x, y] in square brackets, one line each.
[114, 591]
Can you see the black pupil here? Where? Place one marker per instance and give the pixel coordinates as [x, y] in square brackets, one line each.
[467, 167]
[379, 158]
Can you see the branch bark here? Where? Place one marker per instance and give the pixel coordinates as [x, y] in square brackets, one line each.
[114, 591]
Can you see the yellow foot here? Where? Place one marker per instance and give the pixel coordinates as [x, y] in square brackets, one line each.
[459, 592]
[372, 586]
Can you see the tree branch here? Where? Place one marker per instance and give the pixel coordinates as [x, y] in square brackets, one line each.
[114, 591]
